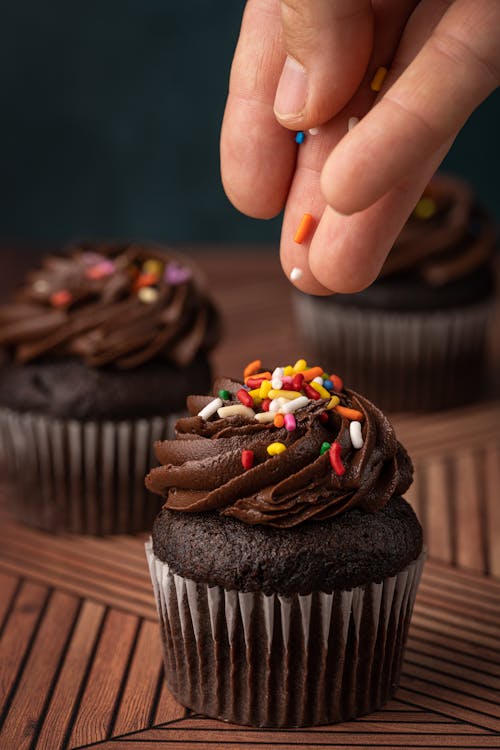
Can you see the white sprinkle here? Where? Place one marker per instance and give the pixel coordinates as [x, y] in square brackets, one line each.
[296, 274]
[296, 403]
[317, 380]
[148, 294]
[277, 384]
[210, 409]
[356, 436]
[352, 122]
[276, 404]
[265, 416]
[40, 286]
[313, 131]
[230, 411]
[278, 372]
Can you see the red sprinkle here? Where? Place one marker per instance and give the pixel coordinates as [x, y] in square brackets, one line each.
[245, 397]
[323, 417]
[266, 402]
[335, 459]
[61, 299]
[247, 458]
[254, 382]
[337, 383]
[297, 381]
[146, 279]
[310, 391]
[288, 383]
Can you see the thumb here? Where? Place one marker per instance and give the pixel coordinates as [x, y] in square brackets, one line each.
[328, 45]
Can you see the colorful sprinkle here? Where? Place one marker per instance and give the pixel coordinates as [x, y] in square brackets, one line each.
[210, 409]
[323, 417]
[148, 294]
[62, 298]
[100, 270]
[276, 448]
[352, 122]
[279, 420]
[153, 266]
[303, 229]
[245, 398]
[311, 392]
[290, 422]
[288, 370]
[355, 434]
[235, 409]
[324, 448]
[299, 137]
[266, 403]
[297, 381]
[264, 416]
[328, 384]
[351, 414]
[247, 459]
[264, 389]
[300, 366]
[294, 405]
[425, 208]
[278, 393]
[252, 368]
[224, 395]
[312, 373]
[378, 79]
[176, 274]
[334, 401]
[319, 388]
[296, 274]
[335, 459]
[145, 279]
[254, 380]
[337, 382]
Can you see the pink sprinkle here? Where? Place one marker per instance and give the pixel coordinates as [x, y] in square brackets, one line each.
[101, 270]
[176, 274]
[290, 422]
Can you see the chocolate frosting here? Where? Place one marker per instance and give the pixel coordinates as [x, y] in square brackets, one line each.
[116, 304]
[449, 243]
[202, 470]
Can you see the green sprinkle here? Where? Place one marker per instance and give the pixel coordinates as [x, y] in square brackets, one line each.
[324, 448]
[325, 376]
[224, 395]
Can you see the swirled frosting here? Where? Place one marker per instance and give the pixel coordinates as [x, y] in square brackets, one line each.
[446, 237]
[202, 470]
[116, 304]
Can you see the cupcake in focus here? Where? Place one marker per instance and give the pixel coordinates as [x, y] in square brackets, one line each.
[417, 338]
[285, 561]
[98, 352]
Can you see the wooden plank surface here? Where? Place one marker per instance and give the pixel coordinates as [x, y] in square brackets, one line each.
[80, 655]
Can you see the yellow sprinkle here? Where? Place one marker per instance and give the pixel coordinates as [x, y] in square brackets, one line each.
[322, 391]
[276, 448]
[299, 366]
[290, 395]
[152, 266]
[148, 294]
[425, 208]
[255, 394]
[264, 389]
[288, 370]
[378, 79]
[333, 402]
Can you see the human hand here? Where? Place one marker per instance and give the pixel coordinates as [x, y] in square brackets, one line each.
[360, 185]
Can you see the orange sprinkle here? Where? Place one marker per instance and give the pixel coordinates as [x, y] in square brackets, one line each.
[259, 376]
[279, 420]
[352, 414]
[146, 279]
[252, 368]
[312, 372]
[378, 79]
[303, 229]
[61, 299]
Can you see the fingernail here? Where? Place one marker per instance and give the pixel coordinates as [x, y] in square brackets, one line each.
[292, 89]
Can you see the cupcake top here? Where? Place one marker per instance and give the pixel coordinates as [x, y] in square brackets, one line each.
[281, 448]
[119, 305]
[447, 236]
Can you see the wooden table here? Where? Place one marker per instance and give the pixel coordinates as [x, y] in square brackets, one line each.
[80, 659]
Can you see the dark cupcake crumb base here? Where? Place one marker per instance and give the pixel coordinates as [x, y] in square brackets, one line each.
[352, 550]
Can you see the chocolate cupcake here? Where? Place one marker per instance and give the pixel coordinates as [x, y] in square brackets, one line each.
[98, 352]
[285, 561]
[416, 339]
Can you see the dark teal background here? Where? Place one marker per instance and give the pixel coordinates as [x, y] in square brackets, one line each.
[110, 122]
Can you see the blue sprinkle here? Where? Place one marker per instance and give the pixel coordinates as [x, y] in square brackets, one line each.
[328, 385]
[299, 138]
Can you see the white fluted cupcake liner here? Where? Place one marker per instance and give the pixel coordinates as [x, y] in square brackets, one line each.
[80, 476]
[283, 661]
[402, 361]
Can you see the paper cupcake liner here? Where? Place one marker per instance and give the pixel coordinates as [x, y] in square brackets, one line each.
[84, 477]
[403, 361]
[283, 661]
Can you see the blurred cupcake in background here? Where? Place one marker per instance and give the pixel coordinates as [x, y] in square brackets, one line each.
[98, 351]
[416, 339]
